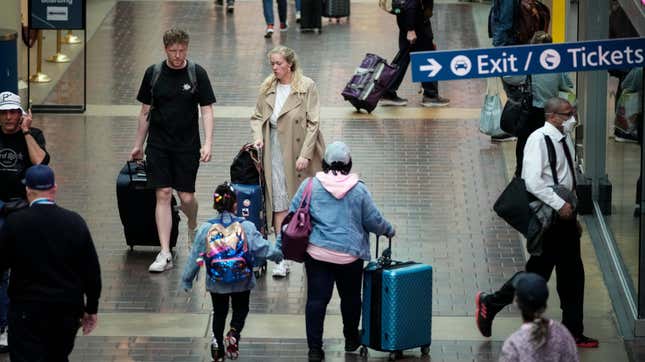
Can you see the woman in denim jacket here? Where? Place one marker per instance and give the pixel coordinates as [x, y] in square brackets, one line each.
[342, 216]
[238, 292]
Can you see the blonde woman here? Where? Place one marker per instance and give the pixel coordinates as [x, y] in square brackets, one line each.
[286, 124]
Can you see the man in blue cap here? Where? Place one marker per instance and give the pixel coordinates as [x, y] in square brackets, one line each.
[20, 147]
[55, 273]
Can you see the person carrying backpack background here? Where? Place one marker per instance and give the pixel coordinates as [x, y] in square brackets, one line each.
[500, 22]
[513, 22]
[228, 267]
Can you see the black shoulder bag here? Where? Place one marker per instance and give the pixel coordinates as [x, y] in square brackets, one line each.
[513, 204]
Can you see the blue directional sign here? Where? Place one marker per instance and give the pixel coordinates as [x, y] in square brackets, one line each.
[528, 59]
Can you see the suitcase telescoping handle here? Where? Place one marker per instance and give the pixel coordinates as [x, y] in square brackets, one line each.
[386, 257]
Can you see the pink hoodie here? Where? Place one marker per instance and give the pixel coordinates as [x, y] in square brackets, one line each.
[337, 185]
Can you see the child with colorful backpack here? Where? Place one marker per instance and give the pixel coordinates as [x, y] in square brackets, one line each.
[227, 246]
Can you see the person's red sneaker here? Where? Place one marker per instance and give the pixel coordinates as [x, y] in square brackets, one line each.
[583, 341]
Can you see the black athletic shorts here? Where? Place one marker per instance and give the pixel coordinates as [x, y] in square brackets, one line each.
[172, 169]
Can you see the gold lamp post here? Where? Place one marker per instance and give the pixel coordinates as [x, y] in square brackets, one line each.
[39, 76]
[58, 57]
[71, 38]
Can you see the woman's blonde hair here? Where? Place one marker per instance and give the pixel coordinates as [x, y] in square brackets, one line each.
[290, 56]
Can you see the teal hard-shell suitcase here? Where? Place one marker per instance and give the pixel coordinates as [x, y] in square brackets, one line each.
[397, 306]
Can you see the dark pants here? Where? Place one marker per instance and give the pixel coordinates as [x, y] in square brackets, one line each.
[321, 277]
[561, 250]
[240, 304]
[40, 335]
[423, 43]
[535, 121]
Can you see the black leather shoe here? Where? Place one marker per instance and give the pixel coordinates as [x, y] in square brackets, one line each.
[316, 355]
[352, 344]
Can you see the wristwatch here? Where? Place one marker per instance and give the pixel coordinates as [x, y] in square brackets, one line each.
[26, 133]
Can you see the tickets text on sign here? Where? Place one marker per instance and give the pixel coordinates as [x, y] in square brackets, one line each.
[528, 59]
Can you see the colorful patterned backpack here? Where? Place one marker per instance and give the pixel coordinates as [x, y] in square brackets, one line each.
[227, 257]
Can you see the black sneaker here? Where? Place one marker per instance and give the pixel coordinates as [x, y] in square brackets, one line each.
[230, 8]
[392, 101]
[583, 341]
[434, 101]
[219, 2]
[352, 344]
[483, 314]
[503, 138]
[316, 355]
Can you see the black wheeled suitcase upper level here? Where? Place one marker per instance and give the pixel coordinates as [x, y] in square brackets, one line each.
[336, 8]
[311, 15]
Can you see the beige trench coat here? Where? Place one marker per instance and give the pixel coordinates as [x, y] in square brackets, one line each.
[299, 134]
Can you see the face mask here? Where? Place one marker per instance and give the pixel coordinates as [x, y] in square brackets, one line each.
[569, 125]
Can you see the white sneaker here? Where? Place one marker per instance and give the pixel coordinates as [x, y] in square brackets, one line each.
[281, 269]
[4, 342]
[162, 263]
[298, 16]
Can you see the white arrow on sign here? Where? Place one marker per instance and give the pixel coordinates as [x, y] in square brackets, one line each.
[433, 68]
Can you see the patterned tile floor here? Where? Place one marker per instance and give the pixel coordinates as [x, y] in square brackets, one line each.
[434, 179]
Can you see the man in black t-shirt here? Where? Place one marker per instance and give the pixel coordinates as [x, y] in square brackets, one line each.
[21, 146]
[169, 117]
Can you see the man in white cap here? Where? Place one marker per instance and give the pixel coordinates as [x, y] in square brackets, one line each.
[21, 146]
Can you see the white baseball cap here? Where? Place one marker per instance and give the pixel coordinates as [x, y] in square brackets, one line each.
[10, 101]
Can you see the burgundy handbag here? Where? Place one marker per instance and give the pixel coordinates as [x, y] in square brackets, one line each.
[296, 228]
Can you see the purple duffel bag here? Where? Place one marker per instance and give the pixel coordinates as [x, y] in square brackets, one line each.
[370, 80]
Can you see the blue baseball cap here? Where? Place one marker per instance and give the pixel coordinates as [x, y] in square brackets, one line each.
[39, 177]
[531, 290]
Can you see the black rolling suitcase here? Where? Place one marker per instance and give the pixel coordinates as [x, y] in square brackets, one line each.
[335, 8]
[311, 15]
[137, 204]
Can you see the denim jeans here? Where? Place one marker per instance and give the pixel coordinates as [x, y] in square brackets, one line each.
[267, 6]
[4, 299]
[298, 5]
[321, 277]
